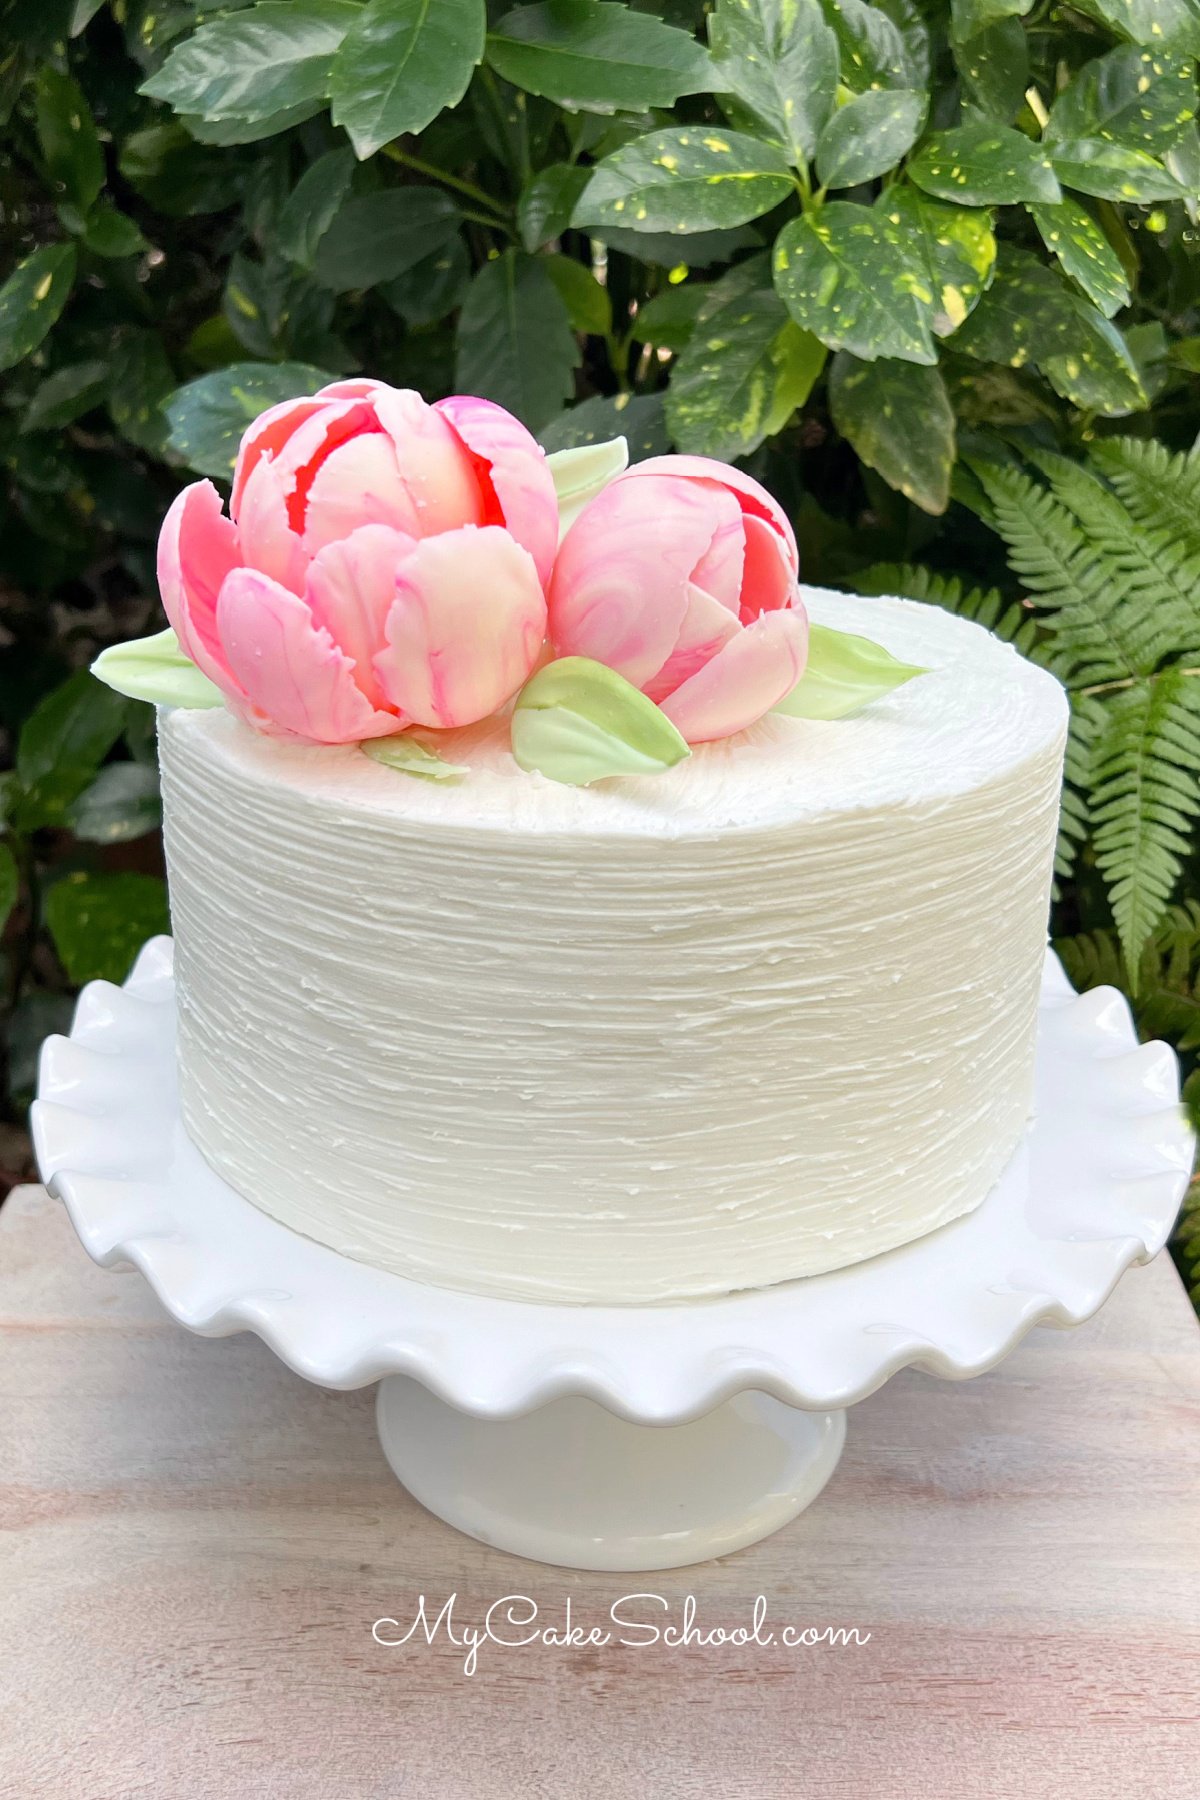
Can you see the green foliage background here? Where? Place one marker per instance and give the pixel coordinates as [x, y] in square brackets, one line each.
[930, 268]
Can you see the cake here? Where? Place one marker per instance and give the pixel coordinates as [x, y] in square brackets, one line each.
[740, 1013]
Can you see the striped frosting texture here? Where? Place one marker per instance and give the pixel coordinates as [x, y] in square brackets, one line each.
[765, 1016]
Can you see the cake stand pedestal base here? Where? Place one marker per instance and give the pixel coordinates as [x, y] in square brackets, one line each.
[570, 1483]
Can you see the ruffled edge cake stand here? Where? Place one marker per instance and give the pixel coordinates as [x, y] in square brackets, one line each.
[620, 1438]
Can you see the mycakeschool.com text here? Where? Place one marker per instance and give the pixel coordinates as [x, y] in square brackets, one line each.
[640, 1621]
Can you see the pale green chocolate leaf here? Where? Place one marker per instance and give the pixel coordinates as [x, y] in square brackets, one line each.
[844, 673]
[155, 669]
[577, 721]
[688, 178]
[409, 757]
[581, 472]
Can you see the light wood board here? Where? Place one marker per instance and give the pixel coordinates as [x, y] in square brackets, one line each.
[194, 1545]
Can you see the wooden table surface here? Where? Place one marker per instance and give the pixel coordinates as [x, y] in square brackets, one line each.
[196, 1545]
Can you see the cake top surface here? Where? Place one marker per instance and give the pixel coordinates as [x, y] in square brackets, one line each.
[981, 709]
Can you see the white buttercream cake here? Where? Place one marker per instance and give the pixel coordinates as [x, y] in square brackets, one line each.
[767, 1014]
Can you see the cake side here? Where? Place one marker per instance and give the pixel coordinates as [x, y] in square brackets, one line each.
[642, 1041]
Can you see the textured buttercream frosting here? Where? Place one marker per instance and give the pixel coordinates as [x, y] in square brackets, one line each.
[766, 1014]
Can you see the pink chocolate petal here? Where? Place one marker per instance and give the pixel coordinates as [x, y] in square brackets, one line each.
[434, 466]
[466, 628]
[268, 542]
[290, 668]
[266, 436]
[707, 627]
[768, 581]
[752, 497]
[359, 483]
[513, 471]
[744, 680]
[351, 588]
[197, 547]
[621, 584]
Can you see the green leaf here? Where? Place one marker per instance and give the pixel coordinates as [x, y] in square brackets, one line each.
[253, 63]
[1025, 315]
[845, 274]
[120, 805]
[1069, 232]
[61, 745]
[744, 371]
[881, 45]
[984, 164]
[994, 68]
[515, 344]
[900, 421]
[313, 205]
[953, 247]
[100, 922]
[1163, 24]
[1139, 98]
[107, 232]
[433, 287]
[779, 58]
[596, 57]
[1099, 373]
[156, 670]
[1113, 172]
[583, 471]
[35, 1016]
[688, 178]
[868, 136]
[225, 132]
[547, 202]
[1145, 801]
[577, 721]
[140, 378]
[208, 416]
[32, 298]
[66, 395]
[843, 674]
[10, 884]
[638, 417]
[400, 64]
[588, 305]
[404, 753]
[973, 16]
[375, 237]
[668, 319]
[67, 134]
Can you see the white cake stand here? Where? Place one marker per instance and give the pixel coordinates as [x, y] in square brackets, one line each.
[620, 1437]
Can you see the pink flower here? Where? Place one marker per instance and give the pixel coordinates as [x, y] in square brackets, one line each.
[681, 575]
[384, 564]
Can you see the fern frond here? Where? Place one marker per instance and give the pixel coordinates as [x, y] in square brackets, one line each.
[1092, 959]
[1161, 490]
[1145, 796]
[1155, 568]
[1077, 590]
[1087, 721]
